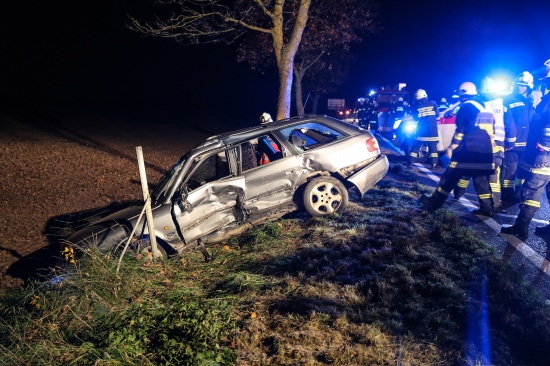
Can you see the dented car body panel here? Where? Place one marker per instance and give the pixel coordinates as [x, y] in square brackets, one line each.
[232, 181]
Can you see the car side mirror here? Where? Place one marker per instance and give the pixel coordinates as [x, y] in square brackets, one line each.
[183, 203]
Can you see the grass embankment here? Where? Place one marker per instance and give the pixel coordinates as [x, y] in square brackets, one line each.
[385, 283]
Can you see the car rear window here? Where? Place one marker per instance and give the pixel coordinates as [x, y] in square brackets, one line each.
[310, 135]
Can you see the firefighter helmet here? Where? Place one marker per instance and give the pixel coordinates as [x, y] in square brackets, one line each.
[467, 88]
[546, 73]
[400, 99]
[420, 94]
[524, 79]
[265, 118]
[443, 100]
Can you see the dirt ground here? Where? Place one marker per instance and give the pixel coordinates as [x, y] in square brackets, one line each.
[60, 163]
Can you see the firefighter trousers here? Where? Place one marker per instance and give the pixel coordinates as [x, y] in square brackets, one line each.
[449, 180]
[494, 183]
[532, 190]
[511, 183]
[432, 150]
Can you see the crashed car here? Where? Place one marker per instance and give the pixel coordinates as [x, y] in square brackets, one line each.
[233, 181]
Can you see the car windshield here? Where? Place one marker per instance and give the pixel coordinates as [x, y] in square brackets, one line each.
[166, 182]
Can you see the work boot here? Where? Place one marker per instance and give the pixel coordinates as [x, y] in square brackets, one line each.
[485, 208]
[435, 201]
[543, 230]
[459, 192]
[520, 228]
[497, 203]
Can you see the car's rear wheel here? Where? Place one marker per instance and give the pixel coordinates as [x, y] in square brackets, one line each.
[325, 195]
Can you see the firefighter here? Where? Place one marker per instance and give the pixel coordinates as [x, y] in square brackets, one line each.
[265, 118]
[372, 115]
[361, 113]
[518, 111]
[399, 110]
[504, 140]
[471, 152]
[537, 162]
[426, 113]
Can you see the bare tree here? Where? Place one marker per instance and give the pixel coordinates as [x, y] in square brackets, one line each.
[207, 21]
[332, 27]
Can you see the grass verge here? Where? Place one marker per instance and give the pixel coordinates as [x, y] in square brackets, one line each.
[385, 283]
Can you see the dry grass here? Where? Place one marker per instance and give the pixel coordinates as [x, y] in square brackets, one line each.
[385, 283]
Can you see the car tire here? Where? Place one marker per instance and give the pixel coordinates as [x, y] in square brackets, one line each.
[325, 195]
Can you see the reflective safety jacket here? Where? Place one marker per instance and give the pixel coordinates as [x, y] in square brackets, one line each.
[426, 113]
[538, 141]
[474, 136]
[518, 112]
[505, 135]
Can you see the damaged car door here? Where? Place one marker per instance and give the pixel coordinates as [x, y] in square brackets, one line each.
[212, 197]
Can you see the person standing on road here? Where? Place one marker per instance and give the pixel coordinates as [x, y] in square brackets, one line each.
[518, 111]
[361, 113]
[471, 152]
[426, 113]
[372, 115]
[537, 162]
[504, 140]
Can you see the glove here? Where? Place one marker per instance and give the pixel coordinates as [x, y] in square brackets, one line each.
[541, 160]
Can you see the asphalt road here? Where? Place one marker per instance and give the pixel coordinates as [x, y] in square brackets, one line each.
[531, 257]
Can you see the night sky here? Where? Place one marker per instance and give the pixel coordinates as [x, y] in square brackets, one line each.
[75, 50]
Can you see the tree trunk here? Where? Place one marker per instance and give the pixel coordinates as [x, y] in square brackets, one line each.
[285, 88]
[315, 103]
[285, 53]
[298, 93]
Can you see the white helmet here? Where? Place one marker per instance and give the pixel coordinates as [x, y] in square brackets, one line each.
[265, 118]
[467, 88]
[443, 100]
[420, 94]
[525, 79]
[400, 99]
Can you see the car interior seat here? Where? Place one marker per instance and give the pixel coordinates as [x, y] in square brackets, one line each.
[273, 152]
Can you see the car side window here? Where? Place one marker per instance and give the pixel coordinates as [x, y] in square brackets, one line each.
[212, 168]
[310, 135]
[260, 151]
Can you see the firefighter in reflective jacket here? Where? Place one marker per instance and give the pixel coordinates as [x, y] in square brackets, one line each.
[536, 163]
[518, 111]
[426, 112]
[399, 110]
[505, 137]
[471, 152]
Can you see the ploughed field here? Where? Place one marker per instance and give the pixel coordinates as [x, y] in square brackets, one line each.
[57, 165]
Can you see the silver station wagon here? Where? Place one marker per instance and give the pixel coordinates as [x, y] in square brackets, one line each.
[239, 179]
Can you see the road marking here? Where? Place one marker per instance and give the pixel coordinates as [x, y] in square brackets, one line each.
[523, 248]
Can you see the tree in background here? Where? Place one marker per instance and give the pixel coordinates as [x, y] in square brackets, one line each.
[221, 21]
[321, 58]
[327, 76]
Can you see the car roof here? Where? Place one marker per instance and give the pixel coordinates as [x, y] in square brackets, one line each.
[232, 137]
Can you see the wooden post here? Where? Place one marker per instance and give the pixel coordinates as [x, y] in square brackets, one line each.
[147, 199]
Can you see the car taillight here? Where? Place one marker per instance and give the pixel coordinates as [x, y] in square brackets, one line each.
[372, 144]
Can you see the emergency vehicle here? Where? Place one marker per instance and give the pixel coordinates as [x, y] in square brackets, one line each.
[404, 130]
